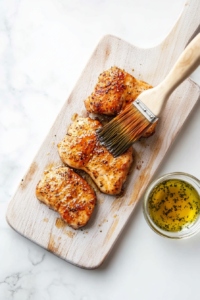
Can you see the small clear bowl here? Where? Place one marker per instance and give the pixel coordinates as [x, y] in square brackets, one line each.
[186, 232]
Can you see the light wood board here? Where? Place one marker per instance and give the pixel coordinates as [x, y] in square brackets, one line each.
[89, 247]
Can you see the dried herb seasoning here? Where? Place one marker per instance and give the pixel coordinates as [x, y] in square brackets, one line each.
[173, 205]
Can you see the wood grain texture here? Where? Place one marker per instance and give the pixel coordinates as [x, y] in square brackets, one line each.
[89, 248]
[187, 63]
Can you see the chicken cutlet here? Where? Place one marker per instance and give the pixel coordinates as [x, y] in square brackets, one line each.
[115, 90]
[81, 149]
[67, 193]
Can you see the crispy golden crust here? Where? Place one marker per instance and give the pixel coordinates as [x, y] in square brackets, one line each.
[114, 90]
[107, 97]
[67, 193]
[80, 149]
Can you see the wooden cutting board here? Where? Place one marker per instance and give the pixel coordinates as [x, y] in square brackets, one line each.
[89, 247]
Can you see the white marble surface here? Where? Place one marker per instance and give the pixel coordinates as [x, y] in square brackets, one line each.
[44, 45]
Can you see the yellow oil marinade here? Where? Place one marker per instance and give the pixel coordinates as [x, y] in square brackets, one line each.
[173, 205]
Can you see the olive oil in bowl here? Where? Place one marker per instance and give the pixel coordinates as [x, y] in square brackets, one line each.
[173, 205]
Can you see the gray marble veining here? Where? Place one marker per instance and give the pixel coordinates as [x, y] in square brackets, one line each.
[44, 45]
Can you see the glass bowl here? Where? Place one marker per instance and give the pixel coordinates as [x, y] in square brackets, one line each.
[186, 232]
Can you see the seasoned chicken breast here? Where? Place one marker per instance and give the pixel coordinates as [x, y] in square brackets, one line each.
[80, 149]
[114, 90]
[67, 193]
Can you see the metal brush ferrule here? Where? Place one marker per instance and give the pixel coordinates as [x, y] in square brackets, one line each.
[145, 111]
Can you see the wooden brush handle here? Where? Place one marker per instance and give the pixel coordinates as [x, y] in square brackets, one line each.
[185, 65]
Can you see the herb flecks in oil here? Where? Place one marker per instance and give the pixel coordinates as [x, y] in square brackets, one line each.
[173, 205]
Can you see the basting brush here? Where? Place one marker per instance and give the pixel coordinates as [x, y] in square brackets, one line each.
[120, 133]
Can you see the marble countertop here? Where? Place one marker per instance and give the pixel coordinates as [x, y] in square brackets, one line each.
[44, 45]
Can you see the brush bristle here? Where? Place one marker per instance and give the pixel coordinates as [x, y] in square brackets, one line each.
[119, 134]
